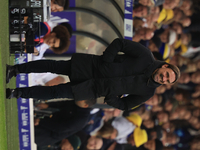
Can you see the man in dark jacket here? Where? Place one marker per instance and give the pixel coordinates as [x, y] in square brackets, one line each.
[135, 72]
[67, 121]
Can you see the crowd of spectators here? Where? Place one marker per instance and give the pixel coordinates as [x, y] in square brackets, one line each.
[170, 30]
[170, 120]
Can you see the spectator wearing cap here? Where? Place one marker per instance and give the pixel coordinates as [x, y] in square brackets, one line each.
[71, 143]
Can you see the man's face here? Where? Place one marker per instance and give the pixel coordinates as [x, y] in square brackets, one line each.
[163, 117]
[185, 38]
[177, 27]
[52, 40]
[186, 4]
[186, 22]
[94, 143]
[164, 75]
[150, 145]
[184, 78]
[178, 14]
[145, 33]
[164, 37]
[195, 78]
[55, 7]
[140, 11]
[170, 4]
[148, 123]
[146, 2]
[171, 138]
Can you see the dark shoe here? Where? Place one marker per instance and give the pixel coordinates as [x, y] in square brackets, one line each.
[12, 93]
[11, 71]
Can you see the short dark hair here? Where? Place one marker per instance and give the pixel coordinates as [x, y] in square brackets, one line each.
[176, 71]
[64, 36]
[91, 102]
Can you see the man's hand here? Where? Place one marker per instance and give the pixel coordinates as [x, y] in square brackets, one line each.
[36, 121]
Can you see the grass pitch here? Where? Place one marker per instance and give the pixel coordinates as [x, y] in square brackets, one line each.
[9, 139]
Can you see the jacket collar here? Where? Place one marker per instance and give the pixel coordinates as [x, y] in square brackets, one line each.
[149, 71]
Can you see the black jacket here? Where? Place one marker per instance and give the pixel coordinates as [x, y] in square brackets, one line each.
[69, 120]
[111, 74]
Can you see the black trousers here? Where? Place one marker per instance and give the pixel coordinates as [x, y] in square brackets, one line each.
[46, 92]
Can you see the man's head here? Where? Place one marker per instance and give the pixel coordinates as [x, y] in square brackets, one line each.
[153, 145]
[156, 133]
[107, 131]
[94, 143]
[171, 138]
[59, 5]
[170, 4]
[168, 36]
[149, 123]
[141, 11]
[145, 33]
[195, 78]
[86, 103]
[185, 38]
[186, 5]
[177, 27]
[146, 2]
[167, 74]
[178, 14]
[58, 39]
[71, 143]
[186, 21]
[184, 78]
[163, 116]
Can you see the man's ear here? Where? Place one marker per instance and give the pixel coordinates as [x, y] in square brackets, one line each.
[165, 66]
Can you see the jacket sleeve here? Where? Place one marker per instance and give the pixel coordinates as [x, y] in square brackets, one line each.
[126, 46]
[126, 103]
